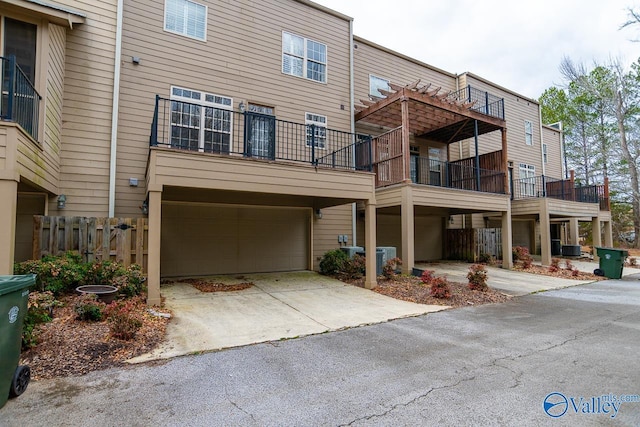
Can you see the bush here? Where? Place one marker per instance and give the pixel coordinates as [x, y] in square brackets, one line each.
[55, 274]
[131, 282]
[353, 268]
[103, 272]
[332, 262]
[123, 320]
[88, 308]
[520, 253]
[389, 269]
[633, 261]
[39, 310]
[427, 276]
[440, 288]
[477, 277]
[555, 265]
[485, 258]
[575, 272]
[568, 265]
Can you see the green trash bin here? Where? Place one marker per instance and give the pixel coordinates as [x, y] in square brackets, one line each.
[611, 262]
[14, 296]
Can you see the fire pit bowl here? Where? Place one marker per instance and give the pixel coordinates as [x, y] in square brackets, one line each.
[105, 293]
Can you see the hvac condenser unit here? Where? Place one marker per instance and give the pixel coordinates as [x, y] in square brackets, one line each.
[352, 250]
[389, 252]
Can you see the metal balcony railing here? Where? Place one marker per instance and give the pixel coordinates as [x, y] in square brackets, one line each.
[195, 127]
[484, 102]
[20, 100]
[451, 175]
[562, 189]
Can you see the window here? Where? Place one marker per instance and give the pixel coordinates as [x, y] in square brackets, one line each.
[316, 130]
[527, 180]
[376, 83]
[186, 18]
[200, 121]
[528, 133]
[20, 40]
[544, 152]
[304, 58]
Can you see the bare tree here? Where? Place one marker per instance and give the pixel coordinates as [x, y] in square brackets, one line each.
[633, 19]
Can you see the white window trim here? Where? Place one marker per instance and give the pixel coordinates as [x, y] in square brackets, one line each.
[530, 132]
[206, 16]
[545, 154]
[379, 95]
[530, 184]
[317, 123]
[305, 58]
[202, 102]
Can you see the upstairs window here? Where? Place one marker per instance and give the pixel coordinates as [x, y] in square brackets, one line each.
[544, 153]
[376, 83]
[186, 18]
[303, 57]
[319, 133]
[528, 133]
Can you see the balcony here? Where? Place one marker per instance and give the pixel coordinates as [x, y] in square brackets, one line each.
[20, 100]
[208, 129]
[561, 189]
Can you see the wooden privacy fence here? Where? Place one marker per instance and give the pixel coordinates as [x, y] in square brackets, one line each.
[124, 240]
[468, 244]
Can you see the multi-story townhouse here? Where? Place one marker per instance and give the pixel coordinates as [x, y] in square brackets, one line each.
[239, 132]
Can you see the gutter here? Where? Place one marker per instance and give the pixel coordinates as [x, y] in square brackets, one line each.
[353, 124]
[114, 111]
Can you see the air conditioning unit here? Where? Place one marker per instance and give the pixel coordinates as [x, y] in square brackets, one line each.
[352, 250]
[389, 252]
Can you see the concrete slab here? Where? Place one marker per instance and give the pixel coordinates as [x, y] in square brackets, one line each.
[587, 266]
[279, 306]
[510, 282]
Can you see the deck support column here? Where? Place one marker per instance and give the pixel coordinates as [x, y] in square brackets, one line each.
[153, 263]
[507, 239]
[545, 233]
[596, 233]
[408, 230]
[406, 157]
[475, 140]
[608, 234]
[370, 244]
[9, 197]
[574, 231]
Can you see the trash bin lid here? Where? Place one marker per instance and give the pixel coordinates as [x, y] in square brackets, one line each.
[13, 283]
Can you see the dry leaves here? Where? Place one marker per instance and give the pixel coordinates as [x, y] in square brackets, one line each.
[204, 285]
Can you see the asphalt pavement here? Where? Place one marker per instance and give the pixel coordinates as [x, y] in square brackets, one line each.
[563, 357]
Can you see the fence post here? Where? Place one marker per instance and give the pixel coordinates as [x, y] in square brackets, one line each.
[12, 86]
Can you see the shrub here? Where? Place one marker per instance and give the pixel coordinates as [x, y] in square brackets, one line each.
[520, 253]
[568, 265]
[633, 261]
[575, 272]
[440, 288]
[123, 320]
[131, 282]
[389, 269]
[485, 258]
[477, 277]
[427, 276]
[555, 265]
[353, 268]
[55, 274]
[39, 310]
[88, 308]
[332, 262]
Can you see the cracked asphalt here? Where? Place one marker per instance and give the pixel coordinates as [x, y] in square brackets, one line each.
[486, 365]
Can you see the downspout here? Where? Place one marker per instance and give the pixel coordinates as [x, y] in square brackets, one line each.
[114, 111]
[544, 168]
[353, 123]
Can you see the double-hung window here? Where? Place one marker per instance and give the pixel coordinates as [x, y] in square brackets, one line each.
[376, 83]
[527, 180]
[186, 17]
[528, 132]
[303, 57]
[316, 130]
[200, 121]
[545, 157]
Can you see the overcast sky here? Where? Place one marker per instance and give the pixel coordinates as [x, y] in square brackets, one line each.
[516, 44]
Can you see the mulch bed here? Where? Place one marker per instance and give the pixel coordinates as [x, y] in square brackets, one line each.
[562, 272]
[69, 347]
[204, 285]
[410, 288]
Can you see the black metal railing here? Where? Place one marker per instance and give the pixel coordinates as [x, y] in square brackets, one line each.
[484, 102]
[562, 189]
[20, 100]
[195, 127]
[450, 175]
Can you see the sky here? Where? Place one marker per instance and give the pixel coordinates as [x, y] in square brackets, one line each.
[516, 44]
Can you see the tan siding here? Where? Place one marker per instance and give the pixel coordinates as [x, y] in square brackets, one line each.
[36, 164]
[459, 199]
[54, 91]
[88, 92]
[369, 59]
[428, 235]
[28, 206]
[335, 221]
[553, 139]
[242, 59]
[3, 147]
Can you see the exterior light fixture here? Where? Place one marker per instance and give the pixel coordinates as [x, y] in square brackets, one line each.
[242, 107]
[62, 201]
[318, 214]
[145, 208]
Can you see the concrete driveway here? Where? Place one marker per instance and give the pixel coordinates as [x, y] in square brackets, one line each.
[278, 306]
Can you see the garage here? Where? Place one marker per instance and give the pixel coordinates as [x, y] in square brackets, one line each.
[199, 239]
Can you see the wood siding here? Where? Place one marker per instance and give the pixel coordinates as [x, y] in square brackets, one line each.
[86, 111]
[53, 97]
[553, 138]
[241, 59]
[334, 221]
[427, 235]
[432, 196]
